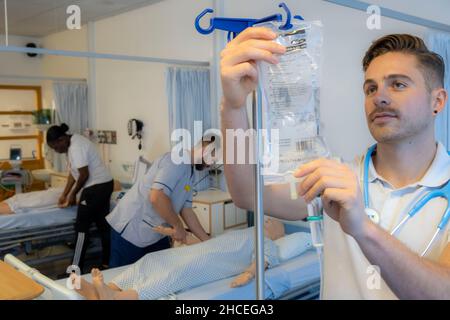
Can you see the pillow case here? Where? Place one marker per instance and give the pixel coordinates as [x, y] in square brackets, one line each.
[293, 244]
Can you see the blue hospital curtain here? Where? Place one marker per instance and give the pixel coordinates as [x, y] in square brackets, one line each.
[439, 42]
[188, 94]
[71, 103]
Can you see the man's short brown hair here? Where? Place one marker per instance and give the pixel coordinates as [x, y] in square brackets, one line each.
[430, 63]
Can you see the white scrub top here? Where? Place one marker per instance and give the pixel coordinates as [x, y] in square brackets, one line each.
[347, 272]
[82, 153]
[134, 216]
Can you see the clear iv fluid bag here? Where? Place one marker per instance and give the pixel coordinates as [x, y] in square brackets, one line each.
[290, 97]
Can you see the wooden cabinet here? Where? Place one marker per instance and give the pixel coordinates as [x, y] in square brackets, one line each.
[217, 213]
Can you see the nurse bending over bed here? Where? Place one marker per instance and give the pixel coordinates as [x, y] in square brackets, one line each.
[165, 272]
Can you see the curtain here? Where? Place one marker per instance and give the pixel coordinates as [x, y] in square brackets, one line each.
[439, 42]
[71, 101]
[188, 94]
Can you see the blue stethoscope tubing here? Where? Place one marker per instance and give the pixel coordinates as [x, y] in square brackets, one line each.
[443, 192]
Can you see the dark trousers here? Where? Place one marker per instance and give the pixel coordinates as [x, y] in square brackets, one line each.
[125, 253]
[93, 208]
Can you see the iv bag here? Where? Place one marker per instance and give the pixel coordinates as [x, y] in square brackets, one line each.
[290, 97]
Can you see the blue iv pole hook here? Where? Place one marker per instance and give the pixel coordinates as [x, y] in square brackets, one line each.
[211, 24]
[236, 25]
[288, 23]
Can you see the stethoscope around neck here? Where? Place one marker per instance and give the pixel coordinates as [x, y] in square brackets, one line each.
[443, 192]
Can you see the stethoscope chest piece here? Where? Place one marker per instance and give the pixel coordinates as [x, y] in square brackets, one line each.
[373, 215]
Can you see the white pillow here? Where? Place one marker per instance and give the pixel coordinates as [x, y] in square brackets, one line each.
[293, 245]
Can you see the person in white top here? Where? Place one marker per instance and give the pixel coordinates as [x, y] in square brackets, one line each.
[403, 95]
[87, 173]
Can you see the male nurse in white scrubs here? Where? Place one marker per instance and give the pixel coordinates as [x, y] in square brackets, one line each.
[404, 93]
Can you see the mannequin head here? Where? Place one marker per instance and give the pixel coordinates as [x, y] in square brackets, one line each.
[273, 229]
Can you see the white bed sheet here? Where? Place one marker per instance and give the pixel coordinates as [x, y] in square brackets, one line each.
[41, 218]
[294, 273]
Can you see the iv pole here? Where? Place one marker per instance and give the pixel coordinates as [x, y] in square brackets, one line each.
[235, 26]
[259, 195]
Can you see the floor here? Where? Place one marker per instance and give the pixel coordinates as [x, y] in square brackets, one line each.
[38, 259]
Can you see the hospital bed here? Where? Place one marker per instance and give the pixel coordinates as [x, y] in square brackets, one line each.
[33, 230]
[47, 227]
[297, 278]
[41, 228]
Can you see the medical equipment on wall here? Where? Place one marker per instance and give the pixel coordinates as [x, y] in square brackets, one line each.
[15, 155]
[234, 26]
[135, 130]
[443, 191]
[16, 177]
[290, 97]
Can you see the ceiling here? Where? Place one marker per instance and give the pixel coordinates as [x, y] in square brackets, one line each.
[38, 18]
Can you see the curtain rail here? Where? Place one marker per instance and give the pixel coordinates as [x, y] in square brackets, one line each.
[389, 13]
[85, 54]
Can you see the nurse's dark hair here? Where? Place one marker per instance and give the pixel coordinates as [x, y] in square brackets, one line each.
[430, 64]
[55, 132]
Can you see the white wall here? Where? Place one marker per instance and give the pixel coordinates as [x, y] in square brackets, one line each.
[346, 39]
[126, 90]
[434, 10]
[19, 64]
[69, 67]
[61, 66]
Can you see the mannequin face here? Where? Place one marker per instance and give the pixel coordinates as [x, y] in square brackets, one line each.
[273, 229]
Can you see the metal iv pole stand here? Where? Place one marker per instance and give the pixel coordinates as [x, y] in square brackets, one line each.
[258, 198]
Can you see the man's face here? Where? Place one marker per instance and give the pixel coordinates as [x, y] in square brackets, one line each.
[397, 104]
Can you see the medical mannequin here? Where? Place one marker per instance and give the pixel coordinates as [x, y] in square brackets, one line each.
[5, 208]
[25, 202]
[273, 230]
[36, 201]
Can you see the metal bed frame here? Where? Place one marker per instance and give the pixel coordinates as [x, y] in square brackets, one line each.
[25, 240]
[309, 291]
